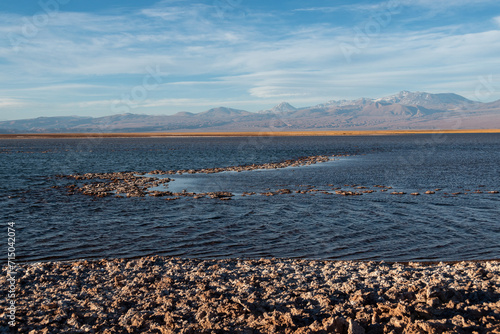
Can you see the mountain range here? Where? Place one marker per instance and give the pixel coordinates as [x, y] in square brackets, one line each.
[405, 110]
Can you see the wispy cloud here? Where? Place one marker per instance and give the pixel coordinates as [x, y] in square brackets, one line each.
[8, 102]
[446, 4]
[432, 6]
[497, 20]
[85, 62]
[351, 7]
[318, 9]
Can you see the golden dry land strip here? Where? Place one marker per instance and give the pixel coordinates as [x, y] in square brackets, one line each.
[241, 134]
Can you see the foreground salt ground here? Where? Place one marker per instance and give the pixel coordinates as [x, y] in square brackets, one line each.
[168, 295]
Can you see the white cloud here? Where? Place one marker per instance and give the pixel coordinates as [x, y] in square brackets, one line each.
[9, 103]
[497, 20]
[58, 88]
[318, 9]
[87, 61]
[446, 4]
[351, 7]
[267, 92]
[93, 104]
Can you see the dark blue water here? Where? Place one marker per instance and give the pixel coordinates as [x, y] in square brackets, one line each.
[54, 226]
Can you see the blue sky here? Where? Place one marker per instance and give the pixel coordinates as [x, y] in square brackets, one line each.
[97, 58]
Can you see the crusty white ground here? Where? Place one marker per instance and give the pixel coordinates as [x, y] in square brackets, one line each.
[168, 295]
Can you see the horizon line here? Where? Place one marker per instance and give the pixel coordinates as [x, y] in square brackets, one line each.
[298, 133]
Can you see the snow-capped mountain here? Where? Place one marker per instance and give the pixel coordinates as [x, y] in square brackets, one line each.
[422, 99]
[405, 110]
[283, 107]
[426, 99]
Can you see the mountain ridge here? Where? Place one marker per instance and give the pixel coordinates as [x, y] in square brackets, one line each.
[404, 110]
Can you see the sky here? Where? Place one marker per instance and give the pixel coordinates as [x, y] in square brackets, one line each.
[98, 58]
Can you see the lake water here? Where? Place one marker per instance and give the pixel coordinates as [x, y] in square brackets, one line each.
[50, 225]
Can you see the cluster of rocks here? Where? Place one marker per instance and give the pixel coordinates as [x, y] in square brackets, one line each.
[348, 193]
[222, 195]
[137, 184]
[168, 295]
[359, 190]
[302, 161]
[130, 184]
[140, 184]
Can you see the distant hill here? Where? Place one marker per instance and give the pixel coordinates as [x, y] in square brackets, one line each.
[405, 110]
[431, 101]
[283, 107]
[223, 112]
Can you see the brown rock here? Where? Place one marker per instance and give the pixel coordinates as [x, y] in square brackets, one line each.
[355, 328]
[433, 302]
[50, 306]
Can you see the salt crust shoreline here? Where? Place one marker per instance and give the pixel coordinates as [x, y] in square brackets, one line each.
[170, 295]
[262, 133]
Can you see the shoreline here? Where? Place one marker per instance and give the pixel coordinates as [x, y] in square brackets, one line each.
[299, 133]
[171, 295]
